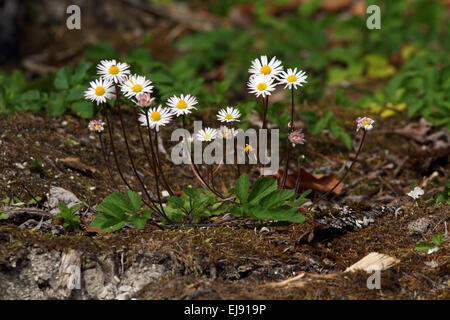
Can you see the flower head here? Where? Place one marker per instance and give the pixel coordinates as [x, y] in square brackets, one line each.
[292, 78]
[144, 100]
[261, 85]
[263, 67]
[416, 193]
[208, 134]
[182, 105]
[297, 137]
[226, 133]
[229, 115]
[112, 70]
[248, 148]
[135, 85]
[96, 126]
[156, 117]
[365, 123]
[100, 91]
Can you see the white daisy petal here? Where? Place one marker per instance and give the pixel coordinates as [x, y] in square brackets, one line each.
[207, 134]
[292, 78]
[157, 117]
[100, 91]
[114, 71]
[263, 67]
[183, 104]
[135, 85]
[261, 85]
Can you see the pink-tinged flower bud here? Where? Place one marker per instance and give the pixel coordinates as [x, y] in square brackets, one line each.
[144, 100]
[290, 124]
[297, 137]
[96, 126]
[365, 123]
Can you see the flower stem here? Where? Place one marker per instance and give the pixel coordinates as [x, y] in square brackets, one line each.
[349, 169]
[158, 162]
[102, 145]
[283, 180]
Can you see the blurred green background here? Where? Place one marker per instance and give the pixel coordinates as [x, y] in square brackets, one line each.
[205, 48]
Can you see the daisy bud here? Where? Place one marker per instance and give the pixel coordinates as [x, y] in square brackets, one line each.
[144, 100]
[96, 126]
[297, 137]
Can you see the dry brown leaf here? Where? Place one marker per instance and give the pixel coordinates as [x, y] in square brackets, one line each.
[76, 164]
[417, 130]
[373, 261]
[335, 5]
[317, 182]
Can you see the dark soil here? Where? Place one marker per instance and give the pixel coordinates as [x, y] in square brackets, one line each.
[238, 261]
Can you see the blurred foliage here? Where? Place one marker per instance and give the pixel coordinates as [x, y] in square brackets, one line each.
[336, 50]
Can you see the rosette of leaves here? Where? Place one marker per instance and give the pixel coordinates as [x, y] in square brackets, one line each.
[266, 201]
[118, 209]
[71, 221]
[195, 205]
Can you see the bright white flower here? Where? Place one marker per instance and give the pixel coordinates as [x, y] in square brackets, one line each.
[229, 115]
[144, 100]
[226, 133]
[292, 78]
[208, 134]
[100, 91]
[261, 85]
[416, 193]
[112, 70]
[182, 105]
[296, 137]
[96, 126]
[365, 123]
[263, 67]
[135, 85]
[157, 117]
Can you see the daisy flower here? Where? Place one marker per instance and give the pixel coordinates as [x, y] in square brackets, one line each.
[144, 100]
[292, 78]
[157, 117]
[248, 148]
[229, 115]
[297, 137]
[261, 85]
[226, 133]
[263, 67]
[365, 123]
[182, 105]
[207, 135]
[100, 91]
[135, 85]
[416, 193]
[96, 126]
[112, 70]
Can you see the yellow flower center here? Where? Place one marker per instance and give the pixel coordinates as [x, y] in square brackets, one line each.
[182, 104]
[292, 78]
[137, 88]
[113, 70]
[156, 116]
[248, 148]
[262, 86]
[229, 117]
[366, 123]
[100, 91]
[266, 70]
[207, 136]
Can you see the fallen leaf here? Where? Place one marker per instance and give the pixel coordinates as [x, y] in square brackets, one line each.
[76, 164]
[417, 130]
[317, 182]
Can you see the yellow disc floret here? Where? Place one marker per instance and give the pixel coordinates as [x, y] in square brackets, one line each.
[266, 70]
[261, 86]
[156, 116]
[182, 104]
[113, 70]
[137, 88]
[292, 78]
[99, 91]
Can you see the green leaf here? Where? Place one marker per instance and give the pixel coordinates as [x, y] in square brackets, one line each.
[242, 186]
[135, 200]
[423, 246]
[61, 81]
[277, 198]
[280, 214]
[262, 187]
[84, 109]
[75, 94]
[176, 202]
[138, 222]
[437, 239]
[113, 210]
[4, 216]
[80, 73]
[76, 207]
